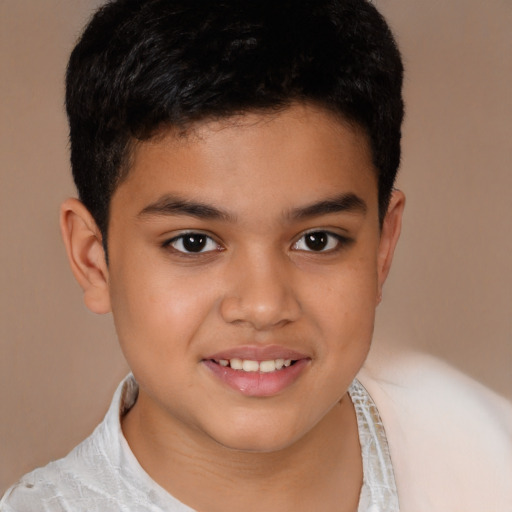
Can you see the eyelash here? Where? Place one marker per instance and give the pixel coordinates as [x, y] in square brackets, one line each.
[318, 235]
[334, 241]
[181, 239]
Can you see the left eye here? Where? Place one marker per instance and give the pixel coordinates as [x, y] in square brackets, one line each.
[193, 243]
[318, 241]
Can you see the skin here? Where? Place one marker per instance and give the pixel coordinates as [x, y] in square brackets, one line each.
[256, 284]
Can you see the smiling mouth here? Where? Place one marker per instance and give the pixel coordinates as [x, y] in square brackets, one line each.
[249, 365]
[261, 376]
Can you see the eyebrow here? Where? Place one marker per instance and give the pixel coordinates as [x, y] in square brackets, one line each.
[347, 202]
[174, 205]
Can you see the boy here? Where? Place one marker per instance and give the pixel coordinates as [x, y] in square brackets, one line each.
[235, 164]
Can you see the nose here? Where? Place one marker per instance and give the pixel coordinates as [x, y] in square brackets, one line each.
[261, 292]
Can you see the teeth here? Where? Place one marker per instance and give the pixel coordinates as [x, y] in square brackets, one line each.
[267, 366]
[248, 365]
[237, 364]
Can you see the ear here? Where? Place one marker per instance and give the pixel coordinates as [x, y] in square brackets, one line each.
[84, 248]
[390, 233]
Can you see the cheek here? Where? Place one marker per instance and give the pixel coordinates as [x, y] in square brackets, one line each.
[156, 309]
[344, 309]
[349, 293]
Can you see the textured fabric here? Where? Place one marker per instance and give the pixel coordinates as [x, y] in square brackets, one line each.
[378, 493]
[102, 474]
[450, 440]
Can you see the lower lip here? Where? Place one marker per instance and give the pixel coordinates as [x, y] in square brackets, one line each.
[258, 384]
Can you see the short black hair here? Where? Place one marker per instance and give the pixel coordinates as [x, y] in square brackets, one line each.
[143, 65]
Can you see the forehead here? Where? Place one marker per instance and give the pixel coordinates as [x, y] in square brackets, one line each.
[277, 159]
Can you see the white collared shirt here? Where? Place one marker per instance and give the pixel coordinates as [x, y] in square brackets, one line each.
[102, 475]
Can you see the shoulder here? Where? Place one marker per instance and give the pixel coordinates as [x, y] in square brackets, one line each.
[54, 487]
[78, 481]
[100, 475]
[450, 437]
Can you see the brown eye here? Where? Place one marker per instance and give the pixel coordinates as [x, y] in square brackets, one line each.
[190, 243]
[318, 241]
[194, 243]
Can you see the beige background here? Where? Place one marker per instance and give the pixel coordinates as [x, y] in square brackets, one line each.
[450, 293]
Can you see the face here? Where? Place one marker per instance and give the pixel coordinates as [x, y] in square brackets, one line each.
[245, 265]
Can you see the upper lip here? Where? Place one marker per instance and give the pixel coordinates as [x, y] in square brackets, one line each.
[258, 353]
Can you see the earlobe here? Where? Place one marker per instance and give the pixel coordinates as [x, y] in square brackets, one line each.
[84, 248]
[390, 234]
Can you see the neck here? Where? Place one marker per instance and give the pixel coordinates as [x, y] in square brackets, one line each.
[324, 466]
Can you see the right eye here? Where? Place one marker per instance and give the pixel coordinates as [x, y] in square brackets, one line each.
[193, 243]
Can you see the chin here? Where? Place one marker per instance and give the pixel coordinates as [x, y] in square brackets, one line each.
[252, 436]
[256, 444]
